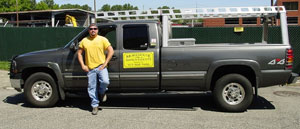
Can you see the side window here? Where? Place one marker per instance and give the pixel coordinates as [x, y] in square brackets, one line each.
[135, 37]
[78, 40]
[110, 33]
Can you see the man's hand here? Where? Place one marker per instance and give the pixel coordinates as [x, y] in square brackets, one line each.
[85, 68]
[110, 53]
[102, 67]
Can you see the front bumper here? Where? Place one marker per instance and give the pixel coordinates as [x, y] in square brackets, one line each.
[16, 82]
[293, 78]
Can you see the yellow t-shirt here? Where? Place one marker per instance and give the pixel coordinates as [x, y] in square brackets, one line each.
[94, 50]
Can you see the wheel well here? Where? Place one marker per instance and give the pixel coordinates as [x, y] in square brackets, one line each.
[246, 71]
[29, 71]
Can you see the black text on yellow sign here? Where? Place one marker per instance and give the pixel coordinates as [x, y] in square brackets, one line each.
[138, 60]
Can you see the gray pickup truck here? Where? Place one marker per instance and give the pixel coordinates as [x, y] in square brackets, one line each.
[145, 62]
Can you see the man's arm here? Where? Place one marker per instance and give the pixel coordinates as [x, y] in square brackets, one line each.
[80, 59]
[110, 53]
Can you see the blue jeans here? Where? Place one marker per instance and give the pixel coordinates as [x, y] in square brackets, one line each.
[93, 76]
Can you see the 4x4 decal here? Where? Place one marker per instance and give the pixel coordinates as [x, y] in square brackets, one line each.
[277, 61]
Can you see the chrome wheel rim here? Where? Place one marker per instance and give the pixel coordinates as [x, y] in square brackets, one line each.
[233, 93]
[41, 90]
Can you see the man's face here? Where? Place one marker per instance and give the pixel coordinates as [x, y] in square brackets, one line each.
[93, 31]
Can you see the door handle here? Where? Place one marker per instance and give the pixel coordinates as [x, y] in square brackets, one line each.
[114, 58]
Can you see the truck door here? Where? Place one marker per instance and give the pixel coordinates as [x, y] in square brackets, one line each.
[139, 57]
[75, 77]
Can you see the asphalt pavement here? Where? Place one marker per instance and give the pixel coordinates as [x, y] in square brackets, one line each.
[276, 107]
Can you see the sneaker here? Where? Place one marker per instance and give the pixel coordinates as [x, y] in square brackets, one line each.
[95, 111]
[103, 97]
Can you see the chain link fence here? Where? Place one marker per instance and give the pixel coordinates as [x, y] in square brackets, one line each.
[249, 35]
[14, 41]
[219, 35]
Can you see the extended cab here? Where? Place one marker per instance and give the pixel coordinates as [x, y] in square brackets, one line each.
[146, 59]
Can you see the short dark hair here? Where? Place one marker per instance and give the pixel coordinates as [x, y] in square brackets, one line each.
[93, 24]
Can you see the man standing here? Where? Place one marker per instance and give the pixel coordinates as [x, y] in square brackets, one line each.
[95, 64]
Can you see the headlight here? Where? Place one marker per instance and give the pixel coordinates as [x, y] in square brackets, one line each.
[13, 66]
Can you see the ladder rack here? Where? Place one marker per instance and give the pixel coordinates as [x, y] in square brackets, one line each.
[165, 15]
[192, 13]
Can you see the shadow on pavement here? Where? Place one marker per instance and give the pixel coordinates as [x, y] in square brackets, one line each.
[261, 103]
[182, 102]
[17, 99]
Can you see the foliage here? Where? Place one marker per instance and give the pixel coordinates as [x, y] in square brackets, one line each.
[105, 7]
[46, 4]
[164, 7]
[27, 5]
[41, 6]
[50, 3]
[75, 6]
[4, 65]
[86, 7]
[10, 5]
[116, 8]
[127, 6]
[184, 22]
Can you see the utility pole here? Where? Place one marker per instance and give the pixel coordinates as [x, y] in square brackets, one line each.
[17, 13]
[272, 19]
[95, 11]
[95, 6]
[272, 2]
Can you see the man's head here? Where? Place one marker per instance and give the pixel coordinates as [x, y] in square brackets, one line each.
[93, 30]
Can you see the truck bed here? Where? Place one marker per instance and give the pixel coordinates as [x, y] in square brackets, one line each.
[201, 59]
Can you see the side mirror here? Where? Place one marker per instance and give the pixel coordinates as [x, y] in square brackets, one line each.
[74, 46]
[144, 46]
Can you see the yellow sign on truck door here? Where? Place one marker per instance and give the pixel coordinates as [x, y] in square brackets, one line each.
[138, 60]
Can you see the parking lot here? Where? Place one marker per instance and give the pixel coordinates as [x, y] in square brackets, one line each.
[276, 107]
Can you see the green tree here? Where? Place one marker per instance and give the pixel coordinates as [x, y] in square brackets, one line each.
[7, 5]
[69, 6]
[41, 6]
[10, 5]
[76, 6]
[105, 7]
[46, 4]
[164, 7]
[86, 7]
[127, 6]
[116, 8]
[50, 3]
[26, 5]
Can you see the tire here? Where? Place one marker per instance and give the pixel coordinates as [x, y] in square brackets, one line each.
[233, 93]
[40, 90]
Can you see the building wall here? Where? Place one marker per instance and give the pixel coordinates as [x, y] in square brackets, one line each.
[220, 22]
[217, 22]
[291, 13]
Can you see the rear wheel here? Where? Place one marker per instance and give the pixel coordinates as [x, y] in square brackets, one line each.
[233, 92]
[40, 90]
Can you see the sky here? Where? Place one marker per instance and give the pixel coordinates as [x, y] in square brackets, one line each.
[154, 4]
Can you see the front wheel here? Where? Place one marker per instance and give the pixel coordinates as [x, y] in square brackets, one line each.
[233, 92]
[40, 90]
